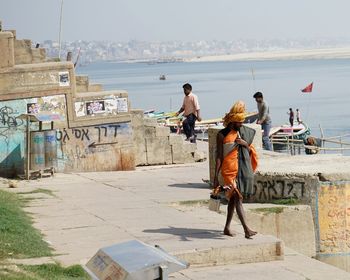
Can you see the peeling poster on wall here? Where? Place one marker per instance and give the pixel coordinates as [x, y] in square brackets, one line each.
[63, 78]
[95, 107]
[48, 108]
[122, 105]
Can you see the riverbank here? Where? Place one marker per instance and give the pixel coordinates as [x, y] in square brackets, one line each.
[331, 53]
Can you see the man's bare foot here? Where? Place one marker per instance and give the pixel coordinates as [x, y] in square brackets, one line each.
[229, 232]
[249, 233]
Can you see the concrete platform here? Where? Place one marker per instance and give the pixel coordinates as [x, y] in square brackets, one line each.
[92, 210]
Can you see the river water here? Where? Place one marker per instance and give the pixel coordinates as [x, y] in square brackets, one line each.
[219, 84]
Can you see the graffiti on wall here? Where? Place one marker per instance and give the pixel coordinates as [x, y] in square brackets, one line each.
[48, 108]
[92, 141]
[334, 218]
[266, 189]
[9, 118]
[109, 105]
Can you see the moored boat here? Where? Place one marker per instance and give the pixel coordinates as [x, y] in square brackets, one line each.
[282, 135]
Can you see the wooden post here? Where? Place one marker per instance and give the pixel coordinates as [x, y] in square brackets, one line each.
[27, 148]
[322, 138]
[341, 145]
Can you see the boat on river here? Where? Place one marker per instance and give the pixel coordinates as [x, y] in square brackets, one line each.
[281, 136]
[174, 122]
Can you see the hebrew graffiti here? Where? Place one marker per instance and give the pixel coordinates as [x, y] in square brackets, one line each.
[91, 142]
[269, 189]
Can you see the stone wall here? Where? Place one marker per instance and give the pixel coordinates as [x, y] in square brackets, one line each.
[7, 56]
[155, 144]
[292, 224]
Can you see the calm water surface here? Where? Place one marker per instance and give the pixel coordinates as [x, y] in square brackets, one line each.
[219, 84]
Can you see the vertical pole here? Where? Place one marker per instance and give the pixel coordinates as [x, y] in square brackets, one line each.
[341, 145]
[27, 148]
[322, 139]
[59, 34]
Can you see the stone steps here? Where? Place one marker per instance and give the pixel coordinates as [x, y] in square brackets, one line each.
[201, 251]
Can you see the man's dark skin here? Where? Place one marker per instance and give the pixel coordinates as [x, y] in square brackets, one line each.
[235, 200]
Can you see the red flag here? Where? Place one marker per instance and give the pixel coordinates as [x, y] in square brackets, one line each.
[308, 88]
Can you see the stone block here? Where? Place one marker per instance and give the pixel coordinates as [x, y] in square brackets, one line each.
[199, 156]
[39, 55]
[162, 131]
[23, 52]
[155, 148]
[95, 87]
[282, 224]
[140, 147]
[137, 118]
[177, 153]
[150, 132]
[189, 147]
[82, 83]
[168, 155]
[150, 122]
[7, 56]
[175, 139]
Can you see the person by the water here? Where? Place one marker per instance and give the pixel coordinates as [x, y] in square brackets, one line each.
[291, 116]
[298, 116]
[191, 110]
[236, 158]
[264, 119]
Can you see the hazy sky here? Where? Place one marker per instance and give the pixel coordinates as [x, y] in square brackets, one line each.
[187, 20]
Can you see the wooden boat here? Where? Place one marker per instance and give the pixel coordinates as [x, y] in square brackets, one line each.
[175, 123]
[280, 136]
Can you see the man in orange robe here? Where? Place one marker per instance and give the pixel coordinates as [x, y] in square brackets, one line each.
[237, 159]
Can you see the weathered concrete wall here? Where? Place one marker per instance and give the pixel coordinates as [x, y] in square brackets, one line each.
[322, 182]
[7, 56]
[155, 144]
[12, 128]
[105, 147]
[37, 79]
[333, 223]
[272, 186]
[292, 224]
[83, 84]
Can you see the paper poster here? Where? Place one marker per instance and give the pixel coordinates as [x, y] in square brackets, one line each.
[63, 78]
[95, 107]
[48, 108]
[79, 109]
[122, 105]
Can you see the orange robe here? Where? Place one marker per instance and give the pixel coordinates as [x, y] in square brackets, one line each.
[229, 167]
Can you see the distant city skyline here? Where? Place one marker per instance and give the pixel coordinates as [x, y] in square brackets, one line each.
[181, 20]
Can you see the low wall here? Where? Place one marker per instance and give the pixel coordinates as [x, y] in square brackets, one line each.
[155, 144]
[281, 221]
[333, 223]
[322, 182]
[105, 147]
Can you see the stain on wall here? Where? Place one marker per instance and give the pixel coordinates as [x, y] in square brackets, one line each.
[103, 147]
[334, 218]
[96, 148]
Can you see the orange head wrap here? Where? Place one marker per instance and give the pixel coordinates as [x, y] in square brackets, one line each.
[236, 114]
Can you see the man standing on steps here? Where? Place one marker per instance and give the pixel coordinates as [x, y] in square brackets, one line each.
[191, 110]
[264, 119]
